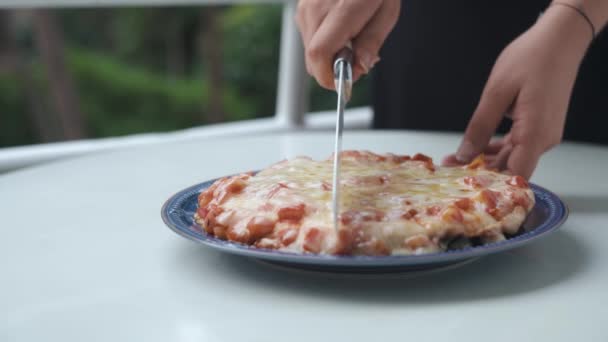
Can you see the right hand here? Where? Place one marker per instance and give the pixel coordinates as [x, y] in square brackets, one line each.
[327, 26]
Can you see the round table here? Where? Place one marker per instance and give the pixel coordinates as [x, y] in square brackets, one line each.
[85, 256]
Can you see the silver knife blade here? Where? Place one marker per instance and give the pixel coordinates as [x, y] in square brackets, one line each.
[343, 79]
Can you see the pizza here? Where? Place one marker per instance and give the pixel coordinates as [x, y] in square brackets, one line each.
[390, 204]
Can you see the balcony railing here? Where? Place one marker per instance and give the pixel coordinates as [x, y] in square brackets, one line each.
[291, 102]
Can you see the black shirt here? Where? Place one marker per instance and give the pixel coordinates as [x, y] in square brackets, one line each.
[436, 61]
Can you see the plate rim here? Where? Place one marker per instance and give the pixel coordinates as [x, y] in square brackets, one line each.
[547, 227]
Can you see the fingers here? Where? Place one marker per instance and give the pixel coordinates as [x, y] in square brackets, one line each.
[326, 26]
[496, 99]
[343, 22]
[518, 157]
[499, 162]
[523, 160]
[451, 160]
[367, 44]
[500, 150]
[519, 160]
[309, 16]
[496, 145]
[491, 151]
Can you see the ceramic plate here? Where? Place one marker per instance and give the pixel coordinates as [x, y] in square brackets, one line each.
[547, 215]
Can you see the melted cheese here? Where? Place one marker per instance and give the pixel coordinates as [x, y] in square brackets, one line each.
[376, 197]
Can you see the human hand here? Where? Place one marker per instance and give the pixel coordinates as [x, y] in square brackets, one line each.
[531, 82]
[326, 26]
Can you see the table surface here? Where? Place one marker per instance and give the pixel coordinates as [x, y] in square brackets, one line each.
[85, 256]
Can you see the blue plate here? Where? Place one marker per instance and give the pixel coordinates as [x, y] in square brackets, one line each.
[547, 215]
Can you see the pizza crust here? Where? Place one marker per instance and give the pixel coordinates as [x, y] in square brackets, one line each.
[390, 204]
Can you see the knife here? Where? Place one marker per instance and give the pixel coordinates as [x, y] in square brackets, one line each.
[343, 80]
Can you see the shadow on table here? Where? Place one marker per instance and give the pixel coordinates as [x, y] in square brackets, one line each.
[586, 204]
[533, 267]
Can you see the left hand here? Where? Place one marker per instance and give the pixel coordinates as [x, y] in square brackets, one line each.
[531, 82]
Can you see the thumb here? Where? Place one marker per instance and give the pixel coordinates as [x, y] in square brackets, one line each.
[366, 45]
[495, 100]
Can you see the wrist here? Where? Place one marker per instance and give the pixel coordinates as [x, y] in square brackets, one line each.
[578, 7]
[595, 11]
[569, 28]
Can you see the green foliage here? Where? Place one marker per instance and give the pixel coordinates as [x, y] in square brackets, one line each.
[119, 59]
[251, 50]
[15, 127]
[251, 34]
[121, 99]
[132, 35]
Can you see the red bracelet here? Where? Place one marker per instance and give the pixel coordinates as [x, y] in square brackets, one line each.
[581, 12]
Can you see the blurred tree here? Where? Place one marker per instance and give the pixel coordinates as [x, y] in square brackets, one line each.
[251, 51]
[50, 43]
[8, 53]
[175, 43]
[130, 70]
[211, 39]
[14, 67]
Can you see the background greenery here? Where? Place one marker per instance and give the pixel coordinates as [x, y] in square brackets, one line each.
[123, 65]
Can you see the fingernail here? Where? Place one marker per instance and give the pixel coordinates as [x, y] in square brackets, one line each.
[466, 152]
[367, 61]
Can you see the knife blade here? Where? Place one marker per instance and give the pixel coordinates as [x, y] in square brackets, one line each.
[343, 80]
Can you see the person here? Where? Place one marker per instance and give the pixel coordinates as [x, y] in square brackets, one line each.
[441, 64]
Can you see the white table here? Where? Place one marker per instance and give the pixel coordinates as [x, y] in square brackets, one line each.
[85, 256]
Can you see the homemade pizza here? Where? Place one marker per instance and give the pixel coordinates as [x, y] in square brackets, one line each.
[390, 204]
